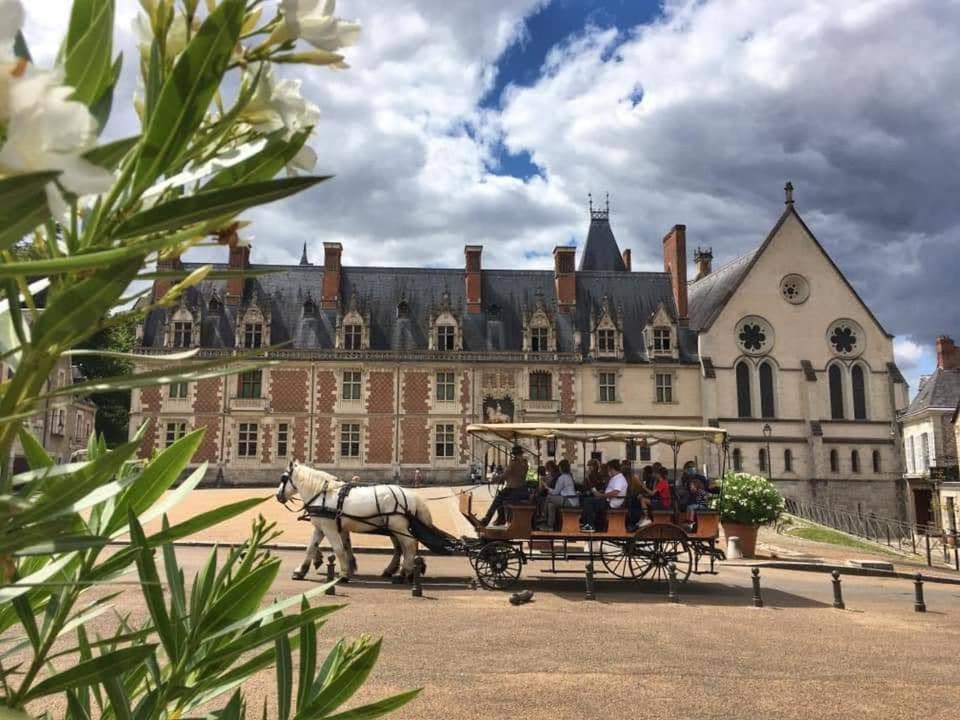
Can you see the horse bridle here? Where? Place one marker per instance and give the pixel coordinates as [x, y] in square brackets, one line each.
[281, 491]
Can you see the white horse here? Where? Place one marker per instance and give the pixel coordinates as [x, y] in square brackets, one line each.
[364, 509]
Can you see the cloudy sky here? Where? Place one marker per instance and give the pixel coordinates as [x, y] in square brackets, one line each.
[489, 122]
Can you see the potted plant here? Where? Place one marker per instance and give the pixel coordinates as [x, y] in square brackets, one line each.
[747, 502]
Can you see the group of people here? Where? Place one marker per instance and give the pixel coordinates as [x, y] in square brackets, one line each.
[610, 485]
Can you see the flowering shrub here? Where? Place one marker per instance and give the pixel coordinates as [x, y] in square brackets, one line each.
[748, 499]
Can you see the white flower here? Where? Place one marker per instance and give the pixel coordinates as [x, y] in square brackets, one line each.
[48, 131]
[313, 21]
[176, 34]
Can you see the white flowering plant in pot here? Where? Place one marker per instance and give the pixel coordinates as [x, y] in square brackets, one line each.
[82, 220]
[748, 500]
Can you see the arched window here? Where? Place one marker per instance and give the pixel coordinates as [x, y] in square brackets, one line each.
[743, 390]
[859, 393]
[876, 461]
[737, 460]
[763, 460]
[215, 306]
[835, 376]
[767, 406]
[788, 460]
[855, 461]
[834, 461]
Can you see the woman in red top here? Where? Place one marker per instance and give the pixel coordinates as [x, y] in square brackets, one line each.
[660, 498]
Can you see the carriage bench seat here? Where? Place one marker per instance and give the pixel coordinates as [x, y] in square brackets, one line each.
[570, 525]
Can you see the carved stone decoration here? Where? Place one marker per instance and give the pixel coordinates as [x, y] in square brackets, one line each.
[754, 335]
[498, 409]
[845, 338]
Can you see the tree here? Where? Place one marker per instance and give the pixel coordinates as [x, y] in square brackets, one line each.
[113, 406]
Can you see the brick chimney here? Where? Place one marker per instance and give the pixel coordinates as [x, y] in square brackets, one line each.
[471, 277]
[239, 260]
[628, 259]
[161, 286]
[675, 263]
[332, 255]
[565, 278]
[703, 260]
[948, 354]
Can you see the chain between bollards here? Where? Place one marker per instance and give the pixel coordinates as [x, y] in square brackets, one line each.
[417, 590]
[331, 569]
[837, 592]
[757, 600]
[672, 594]
[591, 593]
[918, 604]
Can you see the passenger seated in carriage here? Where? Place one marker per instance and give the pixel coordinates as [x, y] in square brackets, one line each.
[595, 505]
[562, 494]
[514, 490]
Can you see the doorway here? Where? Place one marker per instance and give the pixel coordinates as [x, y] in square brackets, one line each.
[923, 506]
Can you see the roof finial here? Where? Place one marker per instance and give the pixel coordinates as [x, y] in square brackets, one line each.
[303, 257]
[590, 202]
[788, 191]
[599, 214]
[608, 204]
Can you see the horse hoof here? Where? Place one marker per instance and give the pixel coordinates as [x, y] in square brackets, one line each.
[297, 575]
[343, 579]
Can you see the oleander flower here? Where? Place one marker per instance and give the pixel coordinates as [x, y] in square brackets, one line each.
[313, 21]
[277, 105]
[176, 34]
[48, 131]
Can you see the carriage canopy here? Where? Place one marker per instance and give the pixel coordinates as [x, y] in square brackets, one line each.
[672, 435]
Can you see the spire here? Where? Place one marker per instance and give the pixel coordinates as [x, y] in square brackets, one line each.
[601, 252]
[788, 192]
[303, 257]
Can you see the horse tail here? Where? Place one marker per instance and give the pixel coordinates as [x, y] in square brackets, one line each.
[423, 529]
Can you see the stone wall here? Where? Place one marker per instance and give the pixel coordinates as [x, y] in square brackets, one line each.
[883, 498]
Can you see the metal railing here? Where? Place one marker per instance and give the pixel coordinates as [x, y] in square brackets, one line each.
[927, 541]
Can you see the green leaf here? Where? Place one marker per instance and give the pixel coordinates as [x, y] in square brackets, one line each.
[262, 166]
[152, 592]
[266, 612]
[100, 108]
[92, 671]
[346, 682]
[27, 620]
[65, 543]
[377, 709]
[284, 677]
[75, 709]
[157, 477]
[36, 456]
[178, 595]
[242, 598]
[87, 63]
[87, 261]
[172, 357]
[110, 154]
[308, 658]
[118, 697]
[210, 205]
[28, 583]
[187, 92]
[23, 205]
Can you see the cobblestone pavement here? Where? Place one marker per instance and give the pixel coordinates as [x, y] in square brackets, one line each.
[632, 654]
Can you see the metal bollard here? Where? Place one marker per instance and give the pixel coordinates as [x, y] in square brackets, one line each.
[837, 593]
[918, 604]
[473, 584]
[672, 595]
[591, 593]
[757, 600]
[331, 569]
[417, 590]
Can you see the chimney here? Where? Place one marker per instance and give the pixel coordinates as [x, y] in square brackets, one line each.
[239, 260]
[161, 286]
[471, 278]
[948, 354]
[675, 263]
[628, 259]
[330, 295]
[565, 278]
[702, 259]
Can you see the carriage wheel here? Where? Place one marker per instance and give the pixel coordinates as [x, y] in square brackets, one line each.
[650, 558]
[498, 565]
[616, 557]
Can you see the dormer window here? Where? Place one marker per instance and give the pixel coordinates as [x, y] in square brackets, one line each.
[352, 336]
[182, 334]
[215, 307]
[403, 310]
[252, 335]
[309, 307]
[539, 337]
[446, 337]
[606, 341]
[661, 340]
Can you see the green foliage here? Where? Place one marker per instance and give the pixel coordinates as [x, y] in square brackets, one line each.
[748, 499]
[78, 229]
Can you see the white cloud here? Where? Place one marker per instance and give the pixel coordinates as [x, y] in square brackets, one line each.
[907, 353]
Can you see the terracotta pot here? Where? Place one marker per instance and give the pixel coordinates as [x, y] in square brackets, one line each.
[747, 535]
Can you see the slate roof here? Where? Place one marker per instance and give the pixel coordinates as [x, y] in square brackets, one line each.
[601, 253]
[707, 296]
[941, 390]
[377, 292]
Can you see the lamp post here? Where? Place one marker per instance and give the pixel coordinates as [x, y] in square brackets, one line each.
[767, 432]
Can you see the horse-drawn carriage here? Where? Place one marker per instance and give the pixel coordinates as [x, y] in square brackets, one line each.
[643, 554]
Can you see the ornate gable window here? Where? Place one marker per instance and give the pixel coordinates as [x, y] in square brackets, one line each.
[309, 307]
[353, 332]
[539, 334]
[445, 332]
[214, 307]
[660, 335]
[253, 327]
[183, 331]
[607, 340]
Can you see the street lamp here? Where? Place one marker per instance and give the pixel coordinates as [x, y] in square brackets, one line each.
[767, 432]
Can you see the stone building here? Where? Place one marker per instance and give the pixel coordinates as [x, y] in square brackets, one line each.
[929, 439]
[381, 369]
[67, 421]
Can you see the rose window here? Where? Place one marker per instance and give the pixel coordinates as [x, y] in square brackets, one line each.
[754, 335]
[845, 338]
[794, 289]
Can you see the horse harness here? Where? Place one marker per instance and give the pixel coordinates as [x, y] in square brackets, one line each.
[400, 507]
